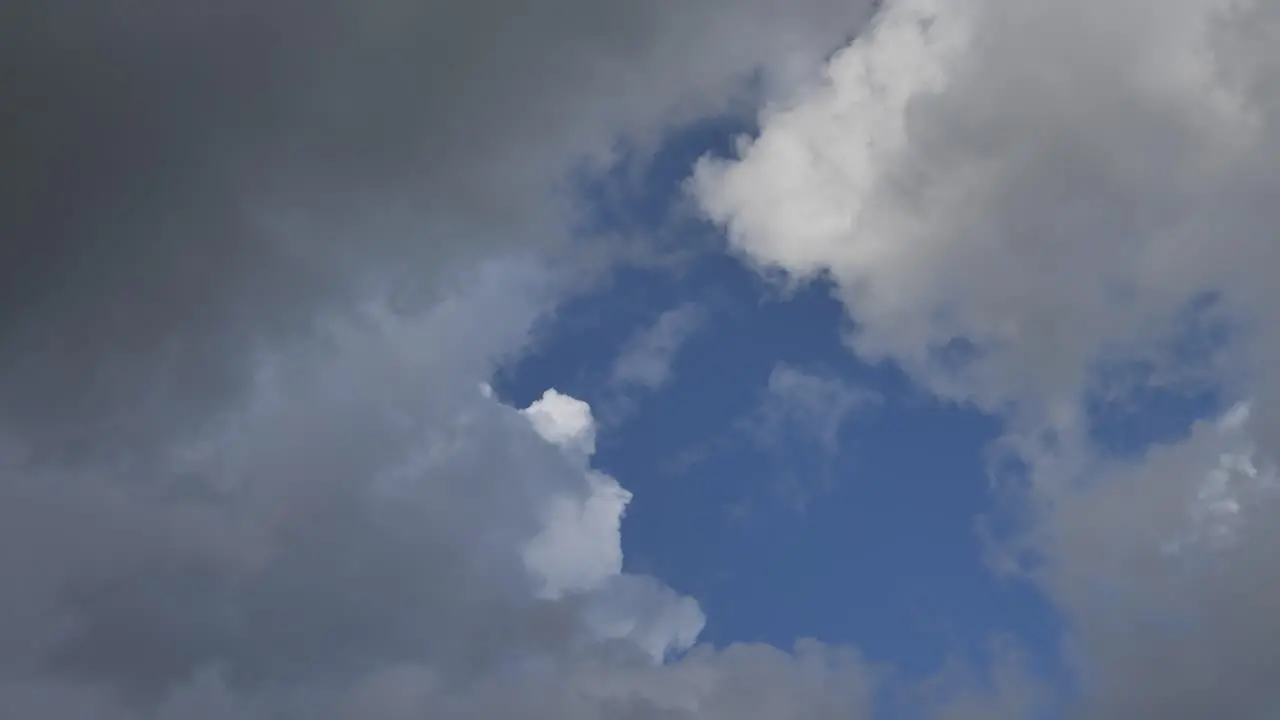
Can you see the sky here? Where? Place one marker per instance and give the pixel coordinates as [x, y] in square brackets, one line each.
[750, 359]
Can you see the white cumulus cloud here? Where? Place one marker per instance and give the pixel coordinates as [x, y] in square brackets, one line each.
[1010, 196]
[564, 421]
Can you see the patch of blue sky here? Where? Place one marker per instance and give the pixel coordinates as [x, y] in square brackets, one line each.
[1136, 404]
[882, 553]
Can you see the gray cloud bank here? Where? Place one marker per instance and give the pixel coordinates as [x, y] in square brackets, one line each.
[182, 181]
[258, 259]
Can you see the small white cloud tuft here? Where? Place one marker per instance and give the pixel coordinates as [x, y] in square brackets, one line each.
[563, 421]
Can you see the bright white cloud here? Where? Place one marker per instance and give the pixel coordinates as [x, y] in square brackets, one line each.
[1011, 195]
[578, 550]
[1048, 209]
[564, 421]
[580, 545]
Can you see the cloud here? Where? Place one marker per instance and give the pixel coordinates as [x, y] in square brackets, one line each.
[1045, 212]
[367, 535]
[645, 360]
[257, 260]
[1011, 197]
[184, 183]
[1161, 568]
[580, 546]
[564, 421]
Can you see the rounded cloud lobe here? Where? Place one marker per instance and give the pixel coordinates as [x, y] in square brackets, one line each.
[1013, 198]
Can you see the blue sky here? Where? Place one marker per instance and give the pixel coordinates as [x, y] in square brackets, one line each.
[871, 542]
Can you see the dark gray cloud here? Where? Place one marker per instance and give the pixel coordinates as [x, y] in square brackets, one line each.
[181, 181]
[257, 259]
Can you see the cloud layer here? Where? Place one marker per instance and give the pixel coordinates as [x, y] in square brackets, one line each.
[259, 258]
[184, 183]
